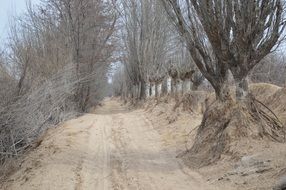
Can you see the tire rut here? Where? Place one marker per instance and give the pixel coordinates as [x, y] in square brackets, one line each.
[106, 151]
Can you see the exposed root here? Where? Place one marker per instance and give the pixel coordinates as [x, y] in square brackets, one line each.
[271, 126]
[225, 125]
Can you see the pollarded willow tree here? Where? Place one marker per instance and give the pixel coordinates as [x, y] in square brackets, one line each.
[187, 69]
[223, 36]
[228, 35]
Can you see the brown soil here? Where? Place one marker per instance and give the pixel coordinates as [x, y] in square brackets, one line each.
[118, 148]
[246, 160]
[114, 148]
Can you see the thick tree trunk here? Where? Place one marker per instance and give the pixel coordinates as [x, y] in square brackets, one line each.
[186, 86]
[184, 90]
[195, 87]
[241, 83]
[179, 87]
[150, 89]
[222, 91]
[241, 90]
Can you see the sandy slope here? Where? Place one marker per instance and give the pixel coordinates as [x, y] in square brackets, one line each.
[111, 149]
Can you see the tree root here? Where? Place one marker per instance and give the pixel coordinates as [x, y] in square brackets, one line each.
[270, 124]
[225, 125]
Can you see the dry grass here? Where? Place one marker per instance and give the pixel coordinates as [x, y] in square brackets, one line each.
[50, 103]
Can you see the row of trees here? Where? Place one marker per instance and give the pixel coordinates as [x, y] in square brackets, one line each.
[227, 36]
[58, 33]
[215, 41]
[151, 51]
[200, 40]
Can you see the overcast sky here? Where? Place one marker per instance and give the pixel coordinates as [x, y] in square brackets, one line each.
[8, 9]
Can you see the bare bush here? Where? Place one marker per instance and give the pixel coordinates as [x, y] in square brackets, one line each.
[49, 104]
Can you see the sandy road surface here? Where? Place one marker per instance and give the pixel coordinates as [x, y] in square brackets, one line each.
[112, 149]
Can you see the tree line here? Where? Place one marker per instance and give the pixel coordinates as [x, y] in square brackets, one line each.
[54, 66]
[216, 42]
[175, 46]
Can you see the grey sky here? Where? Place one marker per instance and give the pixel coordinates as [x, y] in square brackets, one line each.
[8, 9]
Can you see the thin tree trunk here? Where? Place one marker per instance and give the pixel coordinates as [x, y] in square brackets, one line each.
[22, 78]
[169, 85]
[188, 85]
[143, 90]
[147, 89]
[137, 91]
[164, 89]
[86, 98]
[179, 87]
[156, 90]
[134, 93]
[173, 86]
[153, 90]
[160, 89]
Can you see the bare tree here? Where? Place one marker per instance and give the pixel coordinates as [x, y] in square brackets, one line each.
[88, 27]
[235, 35]
[187, 23]
[55, 66]
[222, 37]
[145, 32]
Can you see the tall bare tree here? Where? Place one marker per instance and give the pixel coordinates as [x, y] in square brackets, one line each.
[145, 37]
[226, 34]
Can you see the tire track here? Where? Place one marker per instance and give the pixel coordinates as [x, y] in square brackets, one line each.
[104, 151]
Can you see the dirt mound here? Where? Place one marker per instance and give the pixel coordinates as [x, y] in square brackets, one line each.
[273, 97]
[277, 103]
[263, 91]
[225, 126]
[194, 102]
[240, 138]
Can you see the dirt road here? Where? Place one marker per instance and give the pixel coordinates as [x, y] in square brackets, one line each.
[112, 149]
